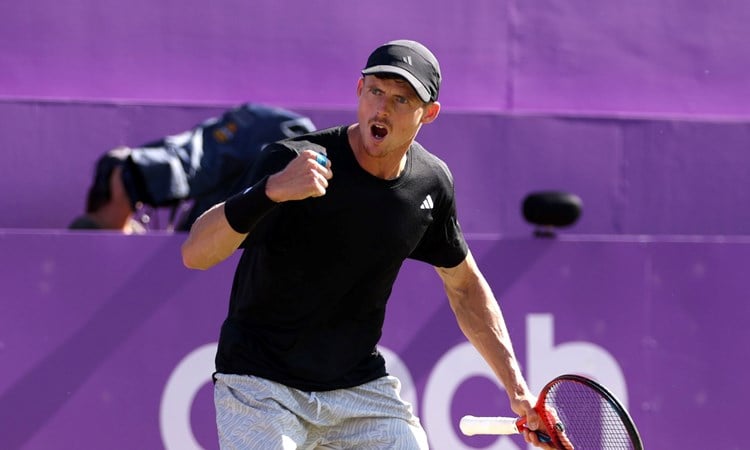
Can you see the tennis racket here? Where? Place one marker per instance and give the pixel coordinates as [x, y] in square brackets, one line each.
[577, 413]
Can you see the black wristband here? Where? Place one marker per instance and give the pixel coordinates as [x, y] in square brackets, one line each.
[245, 209]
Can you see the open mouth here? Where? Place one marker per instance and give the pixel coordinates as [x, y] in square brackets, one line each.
[378, 132]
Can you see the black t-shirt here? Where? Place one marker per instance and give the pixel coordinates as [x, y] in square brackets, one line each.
[310, 290]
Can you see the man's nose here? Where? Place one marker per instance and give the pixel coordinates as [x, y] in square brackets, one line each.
[385, 105]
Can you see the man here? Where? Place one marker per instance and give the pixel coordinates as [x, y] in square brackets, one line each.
[326, 222]
[109, 205]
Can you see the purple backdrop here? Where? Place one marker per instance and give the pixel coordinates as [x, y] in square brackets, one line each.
[640, 109]
[107, 341]
[645, 56]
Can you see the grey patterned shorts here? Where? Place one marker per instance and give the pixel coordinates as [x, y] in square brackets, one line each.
[255, 413]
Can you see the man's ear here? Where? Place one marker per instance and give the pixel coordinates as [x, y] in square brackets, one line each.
[360, 85]
[433, 109]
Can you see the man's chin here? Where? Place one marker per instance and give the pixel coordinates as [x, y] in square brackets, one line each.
[376, 149]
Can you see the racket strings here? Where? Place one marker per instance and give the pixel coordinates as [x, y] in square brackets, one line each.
[589, 420]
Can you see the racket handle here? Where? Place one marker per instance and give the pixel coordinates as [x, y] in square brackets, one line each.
[471, 425]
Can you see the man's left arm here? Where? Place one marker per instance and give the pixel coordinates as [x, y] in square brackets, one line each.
[481, 320]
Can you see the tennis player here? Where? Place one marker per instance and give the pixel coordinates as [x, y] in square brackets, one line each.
[325, 224]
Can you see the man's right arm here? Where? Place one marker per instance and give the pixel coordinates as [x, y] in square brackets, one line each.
[218, 232]
[211, 240]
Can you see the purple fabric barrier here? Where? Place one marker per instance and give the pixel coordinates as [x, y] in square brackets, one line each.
[107, 341]
[652, 57]
[634, 176]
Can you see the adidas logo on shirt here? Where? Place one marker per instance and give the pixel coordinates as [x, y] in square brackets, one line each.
[427, 203]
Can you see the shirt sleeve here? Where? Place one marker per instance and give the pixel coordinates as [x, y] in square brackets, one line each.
[272, 159]
[443, 245]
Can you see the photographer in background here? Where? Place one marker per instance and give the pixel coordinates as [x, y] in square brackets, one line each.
[109, 206]
[187, 172]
